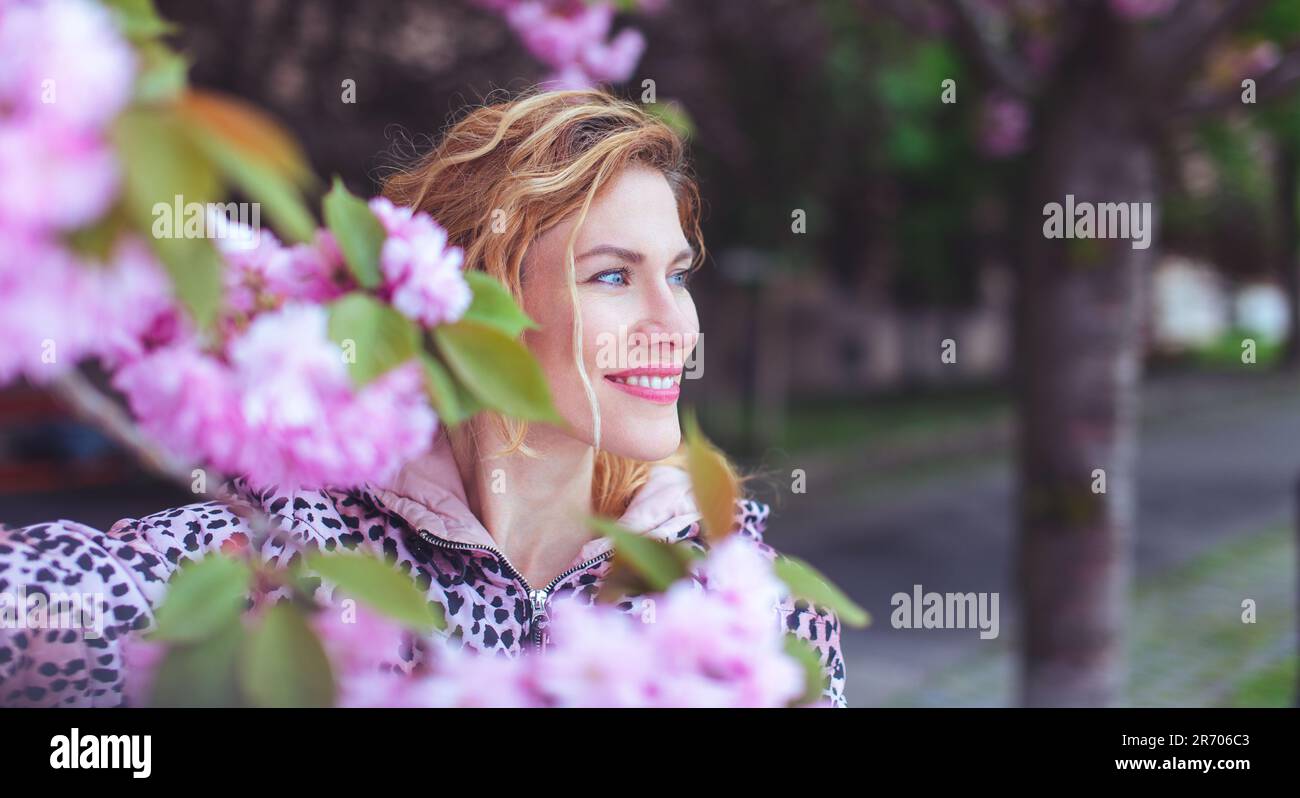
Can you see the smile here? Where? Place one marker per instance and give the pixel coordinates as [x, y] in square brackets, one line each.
[661, 386]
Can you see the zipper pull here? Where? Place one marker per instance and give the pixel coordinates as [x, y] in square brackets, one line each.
[538, 599]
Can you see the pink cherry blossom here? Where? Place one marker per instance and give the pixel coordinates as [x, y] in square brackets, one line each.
[56, 310]
[262, 273]
[465, 679]
[141, 659]
[1004, 126]
[357, 640]
[572, 38]
[422, 274]
[615, 60]
[720, 646]
[599, 657]
[280, 408]
[64, 60]
[55, 177]
[380, 689]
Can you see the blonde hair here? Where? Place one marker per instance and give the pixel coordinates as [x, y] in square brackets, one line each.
[504, 174]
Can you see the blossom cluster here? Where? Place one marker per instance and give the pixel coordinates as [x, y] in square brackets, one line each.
[714, 642]
[267, 393]
[719, 646]
[572, 37]
[277, 405]
[66, 75]
[274, 401]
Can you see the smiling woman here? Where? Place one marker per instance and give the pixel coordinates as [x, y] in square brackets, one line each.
[583, 207]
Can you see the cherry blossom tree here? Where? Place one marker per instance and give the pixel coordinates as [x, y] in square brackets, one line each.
[1094, 87]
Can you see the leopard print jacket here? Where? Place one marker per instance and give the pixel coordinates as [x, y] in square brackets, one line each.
[487, 604]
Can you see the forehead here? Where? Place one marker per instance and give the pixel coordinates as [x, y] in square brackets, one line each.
[636, 208]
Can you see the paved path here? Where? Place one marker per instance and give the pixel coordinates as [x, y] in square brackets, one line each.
[1209, 474]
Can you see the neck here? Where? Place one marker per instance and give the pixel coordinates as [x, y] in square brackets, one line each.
[535, 507]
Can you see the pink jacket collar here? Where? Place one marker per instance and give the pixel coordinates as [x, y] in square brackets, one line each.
[429, 495]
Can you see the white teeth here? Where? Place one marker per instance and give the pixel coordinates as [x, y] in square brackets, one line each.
[654, 383]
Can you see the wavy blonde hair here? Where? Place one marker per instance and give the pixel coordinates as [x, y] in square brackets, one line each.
[507, 172]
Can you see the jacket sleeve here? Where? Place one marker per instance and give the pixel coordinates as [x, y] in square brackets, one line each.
[818, 626]
[69, 593]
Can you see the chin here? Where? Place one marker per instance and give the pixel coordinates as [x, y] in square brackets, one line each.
[646, 445]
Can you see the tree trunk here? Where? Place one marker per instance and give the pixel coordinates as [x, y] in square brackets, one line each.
[1078, 371]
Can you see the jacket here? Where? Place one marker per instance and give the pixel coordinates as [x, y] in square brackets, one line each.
[421, 522]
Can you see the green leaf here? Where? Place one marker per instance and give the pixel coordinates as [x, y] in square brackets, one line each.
[359, 233]
[282, 200]
[255, 154]
[807, 583]
[380, 336]
[160, 162]
[815, 679]
[657, 563]
[163, 74]
[442, 389]
[497, 369]
[494, 306]
[202, 674]
[194, 266]
[247, 129]
[138, 19]
[284, 663]
[97, 240]
[202, 598]
[712, 482]
[674, 115]
[379, 585]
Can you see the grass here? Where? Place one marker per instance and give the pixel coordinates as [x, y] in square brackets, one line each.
[1186, 645]
[1190, 645]
[1273, 686]
[836, 424]
[891, 419]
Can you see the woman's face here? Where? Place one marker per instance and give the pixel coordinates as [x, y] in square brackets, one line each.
[638, 319]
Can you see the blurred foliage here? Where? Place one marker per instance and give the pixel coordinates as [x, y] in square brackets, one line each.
[1225, 351]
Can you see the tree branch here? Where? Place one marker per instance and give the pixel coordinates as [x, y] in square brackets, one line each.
[94, 407]
[1284, 76]
[1178, 45]
[998, 64]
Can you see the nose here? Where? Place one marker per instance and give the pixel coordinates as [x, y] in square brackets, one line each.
[664, 327]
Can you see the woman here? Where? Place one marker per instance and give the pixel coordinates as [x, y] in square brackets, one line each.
[574, 200]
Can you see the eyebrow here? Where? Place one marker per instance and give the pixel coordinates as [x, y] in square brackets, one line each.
[631, 256]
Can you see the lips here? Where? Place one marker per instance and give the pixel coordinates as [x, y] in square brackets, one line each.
[661, 385]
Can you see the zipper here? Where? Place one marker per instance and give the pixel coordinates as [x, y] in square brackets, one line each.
[537, 597]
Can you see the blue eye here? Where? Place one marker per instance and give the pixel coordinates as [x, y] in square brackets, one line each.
[682, 277]
[612, 277]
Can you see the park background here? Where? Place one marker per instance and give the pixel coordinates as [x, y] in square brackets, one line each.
[922, 223]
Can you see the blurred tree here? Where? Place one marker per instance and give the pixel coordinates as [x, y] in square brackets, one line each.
[1103, 83]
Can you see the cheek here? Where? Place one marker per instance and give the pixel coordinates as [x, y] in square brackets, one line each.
[600, 334]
